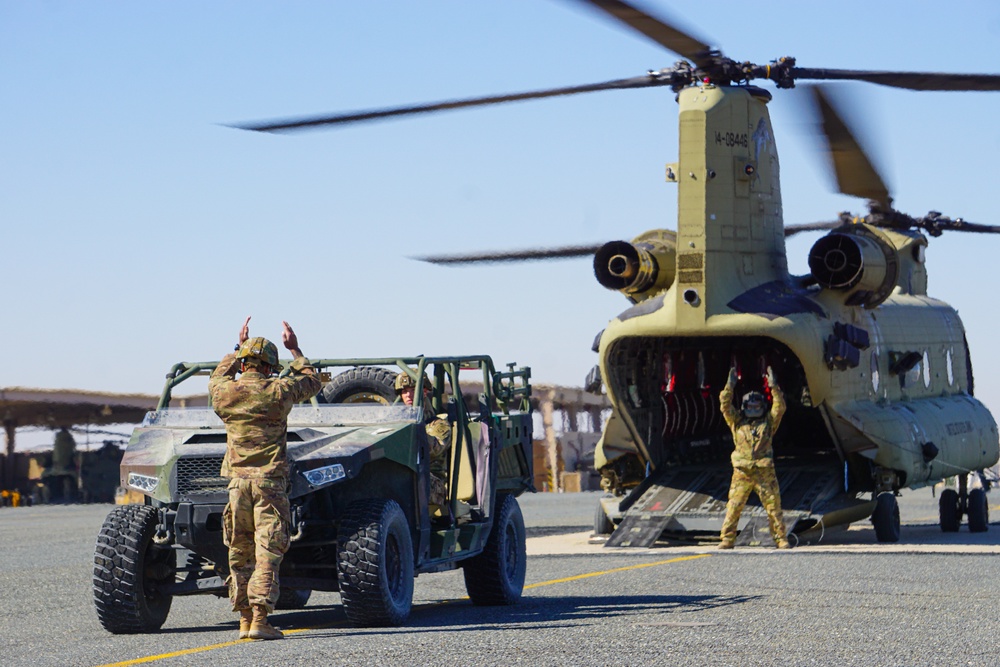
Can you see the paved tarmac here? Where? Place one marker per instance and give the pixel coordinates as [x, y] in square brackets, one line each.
[928, 600]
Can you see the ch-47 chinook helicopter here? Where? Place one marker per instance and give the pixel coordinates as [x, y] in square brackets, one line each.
[876, 373]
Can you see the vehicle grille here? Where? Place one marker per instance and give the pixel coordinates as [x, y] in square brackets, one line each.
[199, 476]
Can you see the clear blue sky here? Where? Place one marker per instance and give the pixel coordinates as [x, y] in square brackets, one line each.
[139, 231]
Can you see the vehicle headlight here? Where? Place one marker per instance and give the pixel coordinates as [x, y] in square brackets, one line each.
[144, 483]
[325, 475]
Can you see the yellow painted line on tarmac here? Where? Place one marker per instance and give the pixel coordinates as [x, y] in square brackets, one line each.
[212, 647]
[617, 569]
[175, 654]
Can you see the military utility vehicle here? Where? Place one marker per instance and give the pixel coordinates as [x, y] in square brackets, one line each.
[361, 520]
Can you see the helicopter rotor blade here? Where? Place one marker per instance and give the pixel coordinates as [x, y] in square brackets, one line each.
[648, 80]
[567, 252]
[963, 226]
[935, 224]
[526, 255]
[791, 230]
[909, 80]
[657, 30]
[854, 171]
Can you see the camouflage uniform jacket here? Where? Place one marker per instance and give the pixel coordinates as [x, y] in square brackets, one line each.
[752, 437]
[255, 411]
[439, 439]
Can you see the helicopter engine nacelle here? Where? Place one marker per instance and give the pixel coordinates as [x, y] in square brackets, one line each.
[639, 269]
[859, 262]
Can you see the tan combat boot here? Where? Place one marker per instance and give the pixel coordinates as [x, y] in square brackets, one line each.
[260, 628]
[246, 618]
[726, 544]
[784, 544]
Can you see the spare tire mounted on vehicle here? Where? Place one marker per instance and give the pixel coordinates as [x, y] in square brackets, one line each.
[364, 384]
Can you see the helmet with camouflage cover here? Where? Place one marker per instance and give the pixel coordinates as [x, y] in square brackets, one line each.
[404, 381]
[754, 405]
[260, 349]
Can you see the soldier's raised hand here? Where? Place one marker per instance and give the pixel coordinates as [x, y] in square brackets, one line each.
[732, 376]
[288, 337]
[771, 381]
[245, 331]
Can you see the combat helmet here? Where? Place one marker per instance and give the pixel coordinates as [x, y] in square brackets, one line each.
[261, 349]
[754, 405]
[404, 381]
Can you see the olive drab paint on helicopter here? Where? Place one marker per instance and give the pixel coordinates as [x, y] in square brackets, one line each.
[732, 286]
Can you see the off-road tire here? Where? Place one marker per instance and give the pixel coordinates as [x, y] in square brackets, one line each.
[948, 512]
[885, 518]
[496, 576]
[292, 598]
[364, 384]
[128, 570]
[979, 511]
[375, 563]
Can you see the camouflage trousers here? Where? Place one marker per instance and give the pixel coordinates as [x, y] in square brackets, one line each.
[439, 491]
[764, 483]
[255, 528]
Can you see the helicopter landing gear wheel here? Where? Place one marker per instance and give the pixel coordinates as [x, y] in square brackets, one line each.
[603, 525]
[979, 511]
[948, 511]
[885, 518]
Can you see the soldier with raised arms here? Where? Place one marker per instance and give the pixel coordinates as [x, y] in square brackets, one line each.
[753, 429]
[255, 407]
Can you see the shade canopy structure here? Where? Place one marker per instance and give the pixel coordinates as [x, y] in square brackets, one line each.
[56, 408]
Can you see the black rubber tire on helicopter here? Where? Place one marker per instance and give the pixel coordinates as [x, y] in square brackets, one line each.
[292, 598]
[603, 525]
[950, 517]
[496, 576]
[375, 563]
[885, 518]
[979, 511]
[129, 568]
[364, 384]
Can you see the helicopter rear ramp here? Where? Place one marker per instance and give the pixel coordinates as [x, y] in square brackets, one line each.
[689, 502]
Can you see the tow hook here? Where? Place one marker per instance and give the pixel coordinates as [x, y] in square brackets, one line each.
[296, 527]
[163, 534]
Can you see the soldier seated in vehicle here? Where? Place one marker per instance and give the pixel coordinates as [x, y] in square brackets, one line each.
[438, 436]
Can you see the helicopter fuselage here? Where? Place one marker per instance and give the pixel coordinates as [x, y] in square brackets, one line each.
[876, 373]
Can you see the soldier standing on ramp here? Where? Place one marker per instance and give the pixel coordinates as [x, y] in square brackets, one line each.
[256, 521]
[753, 464]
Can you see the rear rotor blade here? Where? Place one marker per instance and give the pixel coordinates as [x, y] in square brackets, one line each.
[566, 252]
[791, 230]
[907, 80]
[963, 226]
[531, 254]
[307, 122]
[935, 224]
[657, 30]
[854, 171]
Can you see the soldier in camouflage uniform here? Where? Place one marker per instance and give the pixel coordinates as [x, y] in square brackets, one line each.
[254, 408]
[753, 464]
[438, 435]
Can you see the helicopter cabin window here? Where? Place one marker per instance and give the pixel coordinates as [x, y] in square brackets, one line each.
[912, 376]
[875, 373]
[949, 364]
[927, 371]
